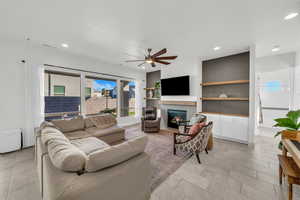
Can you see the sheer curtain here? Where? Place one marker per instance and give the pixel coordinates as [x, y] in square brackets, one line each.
[34, 100]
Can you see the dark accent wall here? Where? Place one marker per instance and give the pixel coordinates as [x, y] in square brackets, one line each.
[234, 67]
[151, 78]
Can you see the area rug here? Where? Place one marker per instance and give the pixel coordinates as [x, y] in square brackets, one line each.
[160, 149]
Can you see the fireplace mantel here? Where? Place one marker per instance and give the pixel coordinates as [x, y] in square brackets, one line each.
[183, 103]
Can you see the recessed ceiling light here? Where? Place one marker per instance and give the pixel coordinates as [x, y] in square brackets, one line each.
[65, 45]
[291, 16]
[217, 48]
[276, 48]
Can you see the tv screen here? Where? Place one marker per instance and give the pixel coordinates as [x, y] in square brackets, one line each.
[175, 86]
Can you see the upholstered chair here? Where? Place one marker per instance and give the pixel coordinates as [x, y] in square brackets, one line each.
[150, 120]
[195, 143]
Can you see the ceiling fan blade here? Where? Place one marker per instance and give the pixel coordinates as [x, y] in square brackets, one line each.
[161, 52]
[166, 58]
[153, 64]
[141, 64]
[134, 60]
[162, 62]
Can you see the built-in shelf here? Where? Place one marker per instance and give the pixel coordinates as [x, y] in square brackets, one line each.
[224, 99]
[152, 98]
[149, 88]
[182, 103]
[226, 114]
[225, 82]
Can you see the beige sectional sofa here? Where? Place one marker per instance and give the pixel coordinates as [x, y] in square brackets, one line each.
[89, 158]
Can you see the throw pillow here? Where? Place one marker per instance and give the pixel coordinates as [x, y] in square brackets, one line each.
[196, 128]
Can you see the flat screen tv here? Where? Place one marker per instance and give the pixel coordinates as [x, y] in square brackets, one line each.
[175, 86]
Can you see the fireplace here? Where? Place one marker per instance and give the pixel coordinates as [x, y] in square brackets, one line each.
[175, 115]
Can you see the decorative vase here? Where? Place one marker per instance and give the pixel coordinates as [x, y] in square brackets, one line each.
[157, 93]
[291, 135]
[223, 95]
[150, 94]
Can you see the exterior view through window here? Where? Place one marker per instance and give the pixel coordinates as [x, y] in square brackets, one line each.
[62, 95]
[102, 96]
[127, 98]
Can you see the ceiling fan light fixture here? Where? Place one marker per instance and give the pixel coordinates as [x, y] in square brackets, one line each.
[149, 61]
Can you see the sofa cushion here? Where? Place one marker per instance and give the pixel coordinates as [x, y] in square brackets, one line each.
[66, 156]
[96, 132]
[50, 133]
[113, 155]
[104, 121]
[68, 125]
[88, 123]
[89, 145]
[45, 124]
[77, 134]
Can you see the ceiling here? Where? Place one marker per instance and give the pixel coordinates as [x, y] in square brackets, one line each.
[115, 31]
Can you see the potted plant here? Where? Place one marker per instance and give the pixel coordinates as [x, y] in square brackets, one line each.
[157, 89]
[291, 126]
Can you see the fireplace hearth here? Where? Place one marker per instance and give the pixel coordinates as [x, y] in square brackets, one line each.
[174, 116]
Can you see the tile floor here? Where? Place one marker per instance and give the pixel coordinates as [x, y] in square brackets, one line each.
[231, 171]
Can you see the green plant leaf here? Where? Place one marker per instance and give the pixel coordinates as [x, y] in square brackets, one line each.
[294, 116]
[277, 134]
[280, 145]
[286, 123]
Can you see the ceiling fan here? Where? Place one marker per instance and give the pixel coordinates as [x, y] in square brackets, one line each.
[154, 58]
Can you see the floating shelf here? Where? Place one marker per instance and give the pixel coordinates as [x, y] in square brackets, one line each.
[225, 82]
[226, 114]
[152, 98]
[182, 103]
[149, 88]
[224, 99]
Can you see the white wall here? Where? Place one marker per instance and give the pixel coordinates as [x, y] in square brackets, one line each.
[296, 97]
[279, 68]
[17, 85]
[12, 86]
[182, 67]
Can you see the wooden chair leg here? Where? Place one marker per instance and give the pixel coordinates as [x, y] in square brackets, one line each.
[206, 151]
[280, 175]
[174, 142]
[290, 191]
[198, 158]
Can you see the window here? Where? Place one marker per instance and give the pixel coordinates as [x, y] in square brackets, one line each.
[62, 95]
[88, 92]
[103, 98]
[59, 90]
[127, 98]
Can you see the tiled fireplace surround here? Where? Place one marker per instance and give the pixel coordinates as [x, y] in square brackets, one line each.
[164, 112]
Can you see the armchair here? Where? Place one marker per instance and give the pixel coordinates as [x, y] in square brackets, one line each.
[193, 144]
[150, 120]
